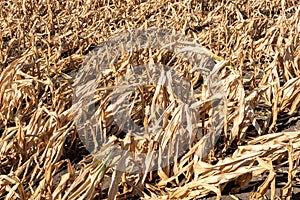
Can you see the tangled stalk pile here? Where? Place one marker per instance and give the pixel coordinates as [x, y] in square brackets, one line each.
[42, 46]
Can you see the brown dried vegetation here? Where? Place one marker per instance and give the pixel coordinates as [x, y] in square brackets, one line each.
[42, 45]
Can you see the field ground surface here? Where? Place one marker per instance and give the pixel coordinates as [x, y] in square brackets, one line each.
[45, 151]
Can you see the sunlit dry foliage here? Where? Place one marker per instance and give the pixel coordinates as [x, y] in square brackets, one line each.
[43, 44]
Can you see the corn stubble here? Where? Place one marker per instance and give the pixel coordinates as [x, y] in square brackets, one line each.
[43, 43]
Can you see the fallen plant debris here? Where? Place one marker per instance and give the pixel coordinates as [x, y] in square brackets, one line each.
[43, 45]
